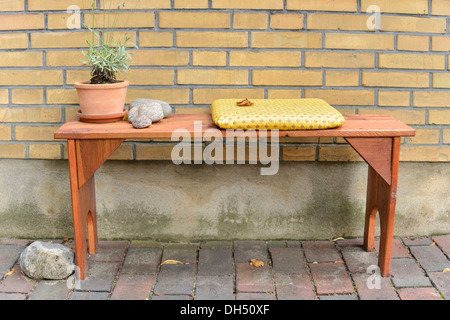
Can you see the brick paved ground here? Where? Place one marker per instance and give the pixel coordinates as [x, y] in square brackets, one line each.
[220, 270]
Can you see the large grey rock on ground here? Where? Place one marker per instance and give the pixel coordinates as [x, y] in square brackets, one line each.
[43, 260]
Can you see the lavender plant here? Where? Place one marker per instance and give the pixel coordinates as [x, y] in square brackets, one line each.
[109, 57]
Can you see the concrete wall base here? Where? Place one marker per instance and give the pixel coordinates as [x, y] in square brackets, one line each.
[161, 201]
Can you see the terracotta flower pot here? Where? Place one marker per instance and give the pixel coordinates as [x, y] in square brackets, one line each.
[101, 102]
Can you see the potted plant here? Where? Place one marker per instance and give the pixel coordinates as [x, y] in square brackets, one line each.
[102, 98]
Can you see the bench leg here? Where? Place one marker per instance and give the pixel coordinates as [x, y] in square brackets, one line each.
[85, 157]
[386, 208]
[80, 210]
[381, 198]
[84, 223]
[371, 210]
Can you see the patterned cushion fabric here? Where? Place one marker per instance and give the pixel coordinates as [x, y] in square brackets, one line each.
[281, 114]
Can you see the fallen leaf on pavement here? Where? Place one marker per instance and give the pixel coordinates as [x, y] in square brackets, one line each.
[172, 262]
[446, 270]
[256, 263]
[9, 273]
[338, 238]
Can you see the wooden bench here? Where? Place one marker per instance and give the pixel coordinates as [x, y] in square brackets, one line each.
[376, 138]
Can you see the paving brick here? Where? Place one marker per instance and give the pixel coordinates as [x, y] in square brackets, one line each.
[16, 242]
[339, 297]
[77, 295]
[252, 279]
[255, 296]
[9, 254]
[109, 251]
[331, 278]
[215, 262]
[244, 251]
[186, 253]
[50, 290]
[444, 243]
[17, 282]
[398, 249]
[368, 290]
[356, 242]
[288, 261]
[175, 279]
[217, 245]
[214, 288]
[294, 244]
[419, 241]
[293, 287]
[141, 260]
[442, 282]
[145, 243]
[100, 276]
[358, 260]
[418, 294]
[133, 287]
[12, 296]
[171, 297]
[406, 273]
[321, 251]
[276, 244]
[430, 258]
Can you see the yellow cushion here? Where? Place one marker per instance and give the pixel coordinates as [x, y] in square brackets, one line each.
[281, 114]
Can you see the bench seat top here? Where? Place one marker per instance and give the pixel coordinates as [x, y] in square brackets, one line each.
[366, 125]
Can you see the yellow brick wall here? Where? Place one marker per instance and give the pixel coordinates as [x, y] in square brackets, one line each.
[191, 52]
